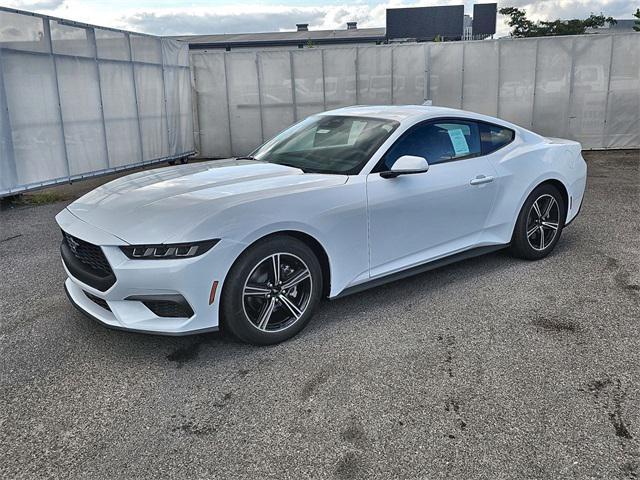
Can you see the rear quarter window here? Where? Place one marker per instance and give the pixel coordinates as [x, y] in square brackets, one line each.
[494, 137]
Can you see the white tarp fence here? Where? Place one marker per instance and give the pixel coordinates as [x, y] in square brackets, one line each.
[78, 100]
[585, 88]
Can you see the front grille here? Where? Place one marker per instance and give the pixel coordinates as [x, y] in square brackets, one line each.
[89, 254]
[98, 301]
[86, 262]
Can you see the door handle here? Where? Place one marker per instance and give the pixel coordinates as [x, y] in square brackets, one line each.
[480, 179]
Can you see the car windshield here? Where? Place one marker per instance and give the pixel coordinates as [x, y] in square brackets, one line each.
[327, 144]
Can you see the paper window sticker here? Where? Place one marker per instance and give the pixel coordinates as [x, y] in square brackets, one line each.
[458, 141]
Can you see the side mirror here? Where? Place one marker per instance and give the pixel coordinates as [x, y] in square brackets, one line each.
[406, 165]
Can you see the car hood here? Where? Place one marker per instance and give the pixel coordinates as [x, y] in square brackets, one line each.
[163, 205]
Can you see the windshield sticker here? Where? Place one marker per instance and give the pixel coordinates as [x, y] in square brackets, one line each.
[458, 141]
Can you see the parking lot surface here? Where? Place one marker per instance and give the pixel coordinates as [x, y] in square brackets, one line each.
[493, 368]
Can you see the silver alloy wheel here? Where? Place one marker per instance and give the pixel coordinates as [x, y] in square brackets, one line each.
[277, 292]
[543, 222]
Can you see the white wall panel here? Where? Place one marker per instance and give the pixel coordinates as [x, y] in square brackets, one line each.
[81, 114]
[622, 128]
[445, 74]
[374, 76]
[591, 60]
[517, 81]
[152, 113]
[340, 77]
[553, 78]
[275, 92]
[34, 113]
[309, 84]
[244, 102]
[212, 106]
[120, 113]
[408, 74]
[480, 79]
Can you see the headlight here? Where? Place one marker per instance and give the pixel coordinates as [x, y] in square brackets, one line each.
[168, 251]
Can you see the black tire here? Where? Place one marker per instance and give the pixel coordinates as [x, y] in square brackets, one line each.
[243, 314]
[531, 234]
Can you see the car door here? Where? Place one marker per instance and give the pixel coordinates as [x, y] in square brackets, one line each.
[420, 217]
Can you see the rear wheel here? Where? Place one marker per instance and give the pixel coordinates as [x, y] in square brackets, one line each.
[539, 224]
[271, 291]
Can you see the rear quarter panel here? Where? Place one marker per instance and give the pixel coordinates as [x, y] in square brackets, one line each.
[521, 167]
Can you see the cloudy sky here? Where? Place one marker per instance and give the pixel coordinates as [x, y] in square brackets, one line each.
[172, 17]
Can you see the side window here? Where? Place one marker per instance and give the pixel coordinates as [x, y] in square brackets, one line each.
[494, 137]
[437, 142]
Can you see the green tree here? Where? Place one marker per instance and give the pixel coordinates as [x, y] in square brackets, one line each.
[636, 25]
[521, 26]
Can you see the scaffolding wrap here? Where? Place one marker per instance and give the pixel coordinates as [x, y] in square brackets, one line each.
[78, 101]
[584, 87]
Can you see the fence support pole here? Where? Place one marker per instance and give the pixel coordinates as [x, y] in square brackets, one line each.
[427, 73]
[226, 88]
[135, 94]
[47, 36]
[392, 75]
[166, 105]
[259, 95]
[6, 143]
[92, 34]
[357, 78]
[499, 82]
[567, 130]
[293, 87]
[195, 107]
[324, 86]
[462, 79]
[535, 85]
[606, 102]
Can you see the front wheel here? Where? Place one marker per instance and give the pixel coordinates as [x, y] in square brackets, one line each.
[271, 291]
[539, 224]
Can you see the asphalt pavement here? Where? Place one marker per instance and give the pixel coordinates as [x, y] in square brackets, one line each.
[492, 368]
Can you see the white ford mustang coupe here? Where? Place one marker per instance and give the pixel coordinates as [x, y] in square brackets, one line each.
[340, 202]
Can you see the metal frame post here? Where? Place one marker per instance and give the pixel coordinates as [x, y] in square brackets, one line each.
[8, 152]
[499, 81]
[259, 96]
[293, 87]
[392, 75]
[357, 74]
[605, 126]
[570, 99]
[427, 73]
[324, 83]
[535, 84]
[135, 94]
[166, 110]
[462, 78]
[226, 88]
[92, 34]
[47, 35]
[195, 109]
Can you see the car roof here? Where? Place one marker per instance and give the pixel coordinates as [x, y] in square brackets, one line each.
[399, 112]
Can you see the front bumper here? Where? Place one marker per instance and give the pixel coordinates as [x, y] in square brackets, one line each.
[120, 306]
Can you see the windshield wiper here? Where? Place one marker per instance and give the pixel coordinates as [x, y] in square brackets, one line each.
[247, 157]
